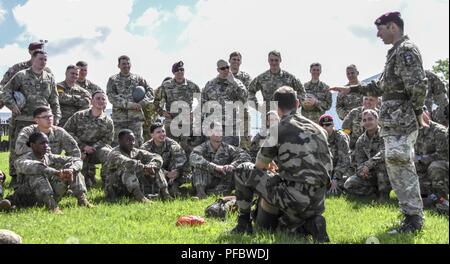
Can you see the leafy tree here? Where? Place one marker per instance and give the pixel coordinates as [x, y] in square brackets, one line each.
[441, 68]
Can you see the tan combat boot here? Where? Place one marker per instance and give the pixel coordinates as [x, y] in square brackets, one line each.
[165, 196]
[83, 201]
[52, 205]
[139, 196]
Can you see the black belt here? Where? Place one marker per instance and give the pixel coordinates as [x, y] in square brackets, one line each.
[395, 96]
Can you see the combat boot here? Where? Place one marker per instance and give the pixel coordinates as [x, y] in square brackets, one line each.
[83, 201]
[52, 205]
[5, 205]
[165, 195]
[174, 190]
[316, 226]
[244, 225]
[201, 194]
[267, 216]
[411, 224]
[139, 196]
[383, 197]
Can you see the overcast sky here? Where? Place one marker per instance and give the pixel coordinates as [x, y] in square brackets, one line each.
[155, 34]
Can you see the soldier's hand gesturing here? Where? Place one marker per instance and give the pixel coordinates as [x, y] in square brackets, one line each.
[343, 90]
[15, 110]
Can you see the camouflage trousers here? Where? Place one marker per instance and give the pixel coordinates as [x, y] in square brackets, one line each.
[212, 181]
[377, 182]
[433, 178]
[34, 189]
[440, 115]
[14, 130]
[98, 157]
[135, 126]
[399, 156]
[297, 201]
[125, 181]
[312, 115]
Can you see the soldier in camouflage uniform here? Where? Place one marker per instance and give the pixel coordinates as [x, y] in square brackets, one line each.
[213, 163]
[272, 119]
[295, 187]
[318, 99]
[59, 139]
[340, 152]
[345, 103]
[82, 81]
[352, 124]
[93, 130]
[437, 94]
[39, 89]
[371, 174]
[47, 177]
[171, 93]
[72, 98]
[432, 158]
[175, 162]
[127, 113]
[271, 80]
[222, 90]
[129, 170]
[235, 60]
[403, 86]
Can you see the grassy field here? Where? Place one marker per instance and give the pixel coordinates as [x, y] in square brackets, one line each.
[349, 221]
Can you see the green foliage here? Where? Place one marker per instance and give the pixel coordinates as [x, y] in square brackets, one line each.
[441, 68]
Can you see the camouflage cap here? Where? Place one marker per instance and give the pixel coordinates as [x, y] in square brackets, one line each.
[326, 119]
[177, 66]
[222, 63]
[388, 17]
[35, 45]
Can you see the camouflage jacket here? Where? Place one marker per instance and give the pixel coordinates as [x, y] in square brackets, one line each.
[31, 166]
[136, 161]
[17, 68]
[301, 149]
[170, 92]
[88, 130]
[171, 152]
[352, 125]
[71, 100]
[432, 143]
[268, 83]
[345, 103]
[243, 77]
[369, 151]
[119, 90]
[88, 86]
[403, 85]
[38, 91]
[436, 92]
[340, 153]
[320, 91]
[58, 140]
[203, 157]
[255, 145]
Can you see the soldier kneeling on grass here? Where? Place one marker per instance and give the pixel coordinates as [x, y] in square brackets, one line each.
[44, 177]
[130, 170]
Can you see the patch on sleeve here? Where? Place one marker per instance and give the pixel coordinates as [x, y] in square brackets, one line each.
[409, 58]
[60, 89]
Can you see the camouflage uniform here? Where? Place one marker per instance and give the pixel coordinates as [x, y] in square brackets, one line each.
[221, 91]
[268, 83]
[92, 131]
[256, 144]
[203, 161]
[403, 86]
[345, 103]
[246, 80]
[369, 152]
[125, 173]
[324, 99]
[436, 93]
[59, 140]
[71, 100]
[119, 90]
[39, 182]
[432, 159]
[304, 160]
[167, 94]
[38, 91]
[353, 124]
[340, 153]
[89, 86]
[174, 158]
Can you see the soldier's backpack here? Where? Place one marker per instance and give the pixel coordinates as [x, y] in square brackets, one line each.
[221, 207]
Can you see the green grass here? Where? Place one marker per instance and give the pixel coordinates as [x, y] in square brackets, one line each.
[349, 221]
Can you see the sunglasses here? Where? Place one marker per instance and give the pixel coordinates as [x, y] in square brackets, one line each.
[180, 69]
[327, 125]
[224, 68]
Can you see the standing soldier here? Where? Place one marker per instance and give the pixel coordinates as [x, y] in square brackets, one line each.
[403, 85]
[340, 152]
[295, 187]
[371, 175]
[126, 112]
[318, 99]
[346, 102]
[38, 88]
[273, 79]
[82, 81]
[437, 94]
[352, 124]
[235, 61]
[93, 130]
[72, 98]
[176, 89]
[226, 89]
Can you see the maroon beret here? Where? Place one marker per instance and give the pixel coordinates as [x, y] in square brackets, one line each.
[325, 119]
[35, 45]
